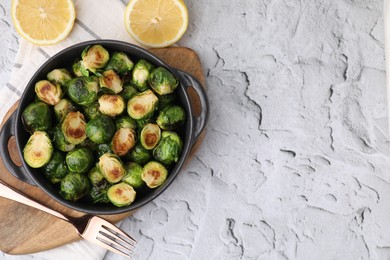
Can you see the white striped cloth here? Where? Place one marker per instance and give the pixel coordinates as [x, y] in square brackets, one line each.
[101, 19]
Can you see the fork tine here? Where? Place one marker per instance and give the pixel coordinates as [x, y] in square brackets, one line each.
[117, 241]
[110, 246]
[119, 233]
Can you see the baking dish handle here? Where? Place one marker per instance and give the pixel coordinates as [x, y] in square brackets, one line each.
[6, 133]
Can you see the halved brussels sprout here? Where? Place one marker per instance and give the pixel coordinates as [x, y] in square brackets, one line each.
[38, 150]
[74, 186]
[110, 82]
[141, 73]
[37, 117]
[142, 105]
[111, 168]
[128, 92]
[111, 105]
[73, 128]
[120, 62]
[79, 69]
[167, 99]
[60, 142]
[83, 90]
[80, 160]
[50, 93]
[123, 141]
[171, 117]
[101, 129]
[55, 170]
[125, 122]
[140, 155]
[150, 136]
[98, 194]
[154, 174]
[96, 177]
[169, 148]
[94, 57]
[92, 111]
[121, 194]
[134, 175]
[102, 149]
[162, 81]
[60, 76]
[62, 108]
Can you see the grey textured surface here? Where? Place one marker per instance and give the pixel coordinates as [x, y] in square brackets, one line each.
[295, 164]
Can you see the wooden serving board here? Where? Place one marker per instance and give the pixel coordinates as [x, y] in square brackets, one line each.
[25, 230]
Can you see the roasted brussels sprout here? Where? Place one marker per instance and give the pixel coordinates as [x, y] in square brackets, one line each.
[110, 82]
[162, 81]
[79, 69]
[37, 117]
[62, 108]
[142, 105]
[60, 142]
[73, 128]
[140, 155]
[134, 175]
[83, 90]
[125, 122]
[92, 111]
[48, 92]
[101, 129]
[55, 170]
[94, 57]
[60, 76]
[74, 186]
[128, 92]
[111, 105]
[141, 73]
[171, 117]
[150, 136]
[123, 141]
[169, 148]
[98, 194]
[120, 62]
[167, 99]
[111, 168]
[121, 194]
[102, 149]
[96, 177]
[154, 174]
[80, 160]
[38, 150]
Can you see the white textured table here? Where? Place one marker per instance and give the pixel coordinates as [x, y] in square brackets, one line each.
[296, 162]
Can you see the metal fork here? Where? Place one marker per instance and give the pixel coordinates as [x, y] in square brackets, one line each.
[91, 228]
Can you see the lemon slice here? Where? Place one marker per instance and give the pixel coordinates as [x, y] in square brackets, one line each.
[43, 22]
[156, 23]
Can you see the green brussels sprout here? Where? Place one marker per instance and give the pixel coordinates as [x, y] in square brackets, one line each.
[60, 142]
[48, 92]
[140, 155]
[144, 121]
[79, 70]
[96, 177]
[171, 117]
[98, 194]
[101, 129]
[102, 149]
[74, 186]
[110, 82]
[94, 57]
[79, 160]
[83, 90]
[164, 100]
[142, 105]
[111, 168]
[128, 92]
[38, 149]
[59, 76]
[62, 108]
[125, 122]
[55, 170]
[154, 174]
[121, 194]
[119, 62]
[123, 141]
[141, 73]
[111, 105]
[73, 128]
[133, 175]
[150, 136]
[92, 111]
[37, 117]
[162, 81]
[169, 148]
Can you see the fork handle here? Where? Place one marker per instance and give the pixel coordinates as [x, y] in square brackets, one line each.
[9, 193]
